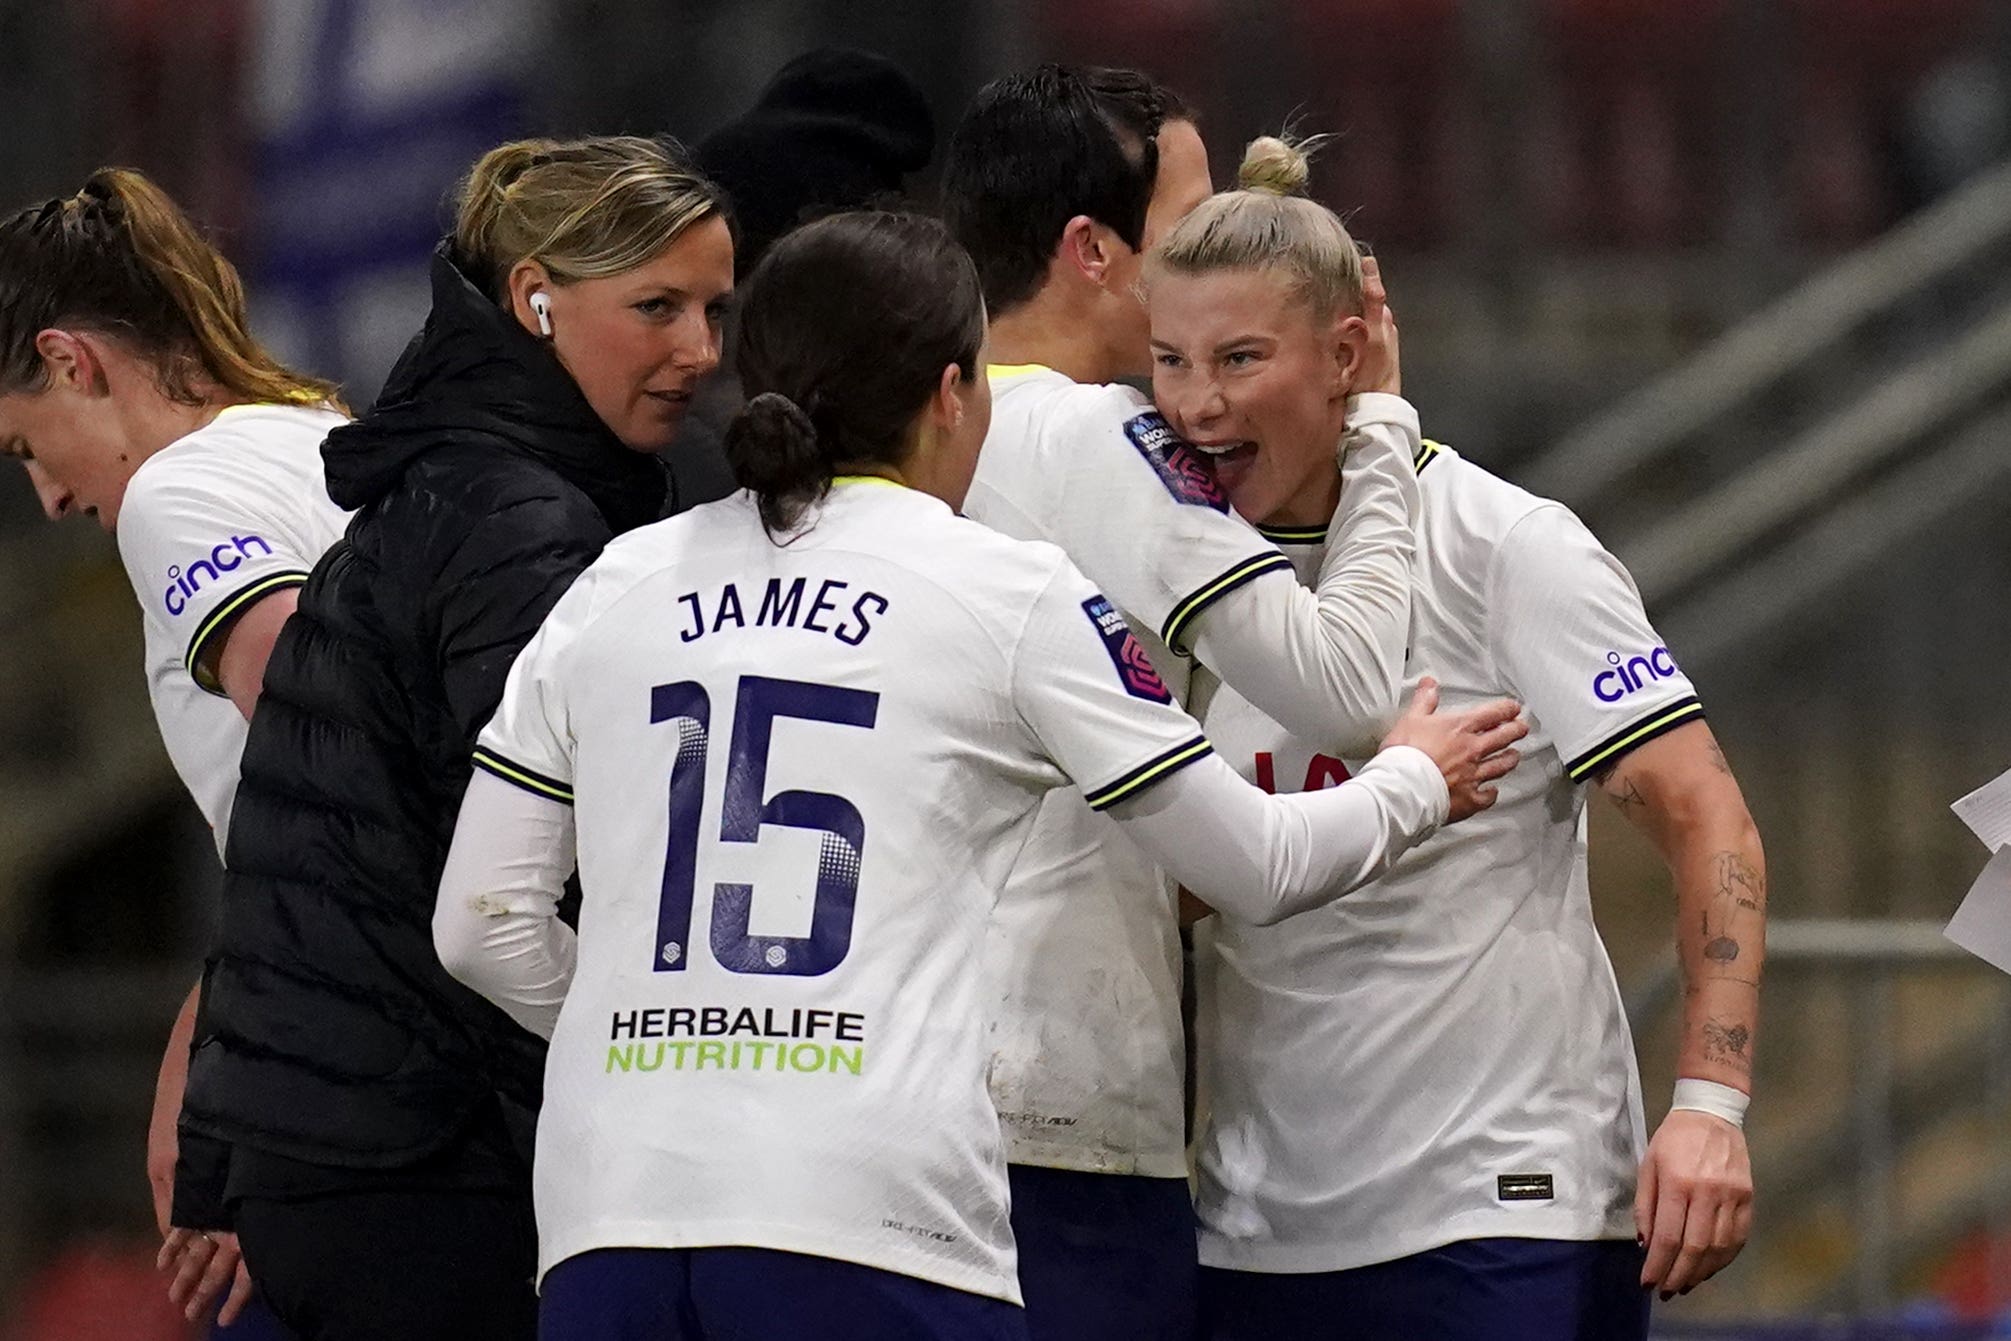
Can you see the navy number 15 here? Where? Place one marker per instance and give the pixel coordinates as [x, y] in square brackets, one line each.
[744, 809]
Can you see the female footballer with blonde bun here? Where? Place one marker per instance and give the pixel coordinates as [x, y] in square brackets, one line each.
[1426, 1118]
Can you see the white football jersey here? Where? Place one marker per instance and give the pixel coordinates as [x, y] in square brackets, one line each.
[801, 773]
[210, 525]
[1085, 949]
[1442, 1055]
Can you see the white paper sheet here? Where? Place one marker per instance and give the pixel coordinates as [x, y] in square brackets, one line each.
[1982, 925]
[1987, 812]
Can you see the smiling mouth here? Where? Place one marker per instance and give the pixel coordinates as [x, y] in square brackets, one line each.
[675, 400]
[1227, 453]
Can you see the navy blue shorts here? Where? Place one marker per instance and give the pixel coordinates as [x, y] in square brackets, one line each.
[1479, 1290]
[1104, 1257]
[756, 1294]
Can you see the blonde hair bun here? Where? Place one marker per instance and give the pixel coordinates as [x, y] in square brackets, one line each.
[1277, 165]
[1270, 224]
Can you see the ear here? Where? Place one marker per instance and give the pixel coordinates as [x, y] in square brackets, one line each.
[1349, 340]
[939, 417]
[1087, 248]
[947, 405]
[71, 363]
[526, 278]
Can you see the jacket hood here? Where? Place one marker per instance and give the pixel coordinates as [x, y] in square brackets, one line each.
[472, 373]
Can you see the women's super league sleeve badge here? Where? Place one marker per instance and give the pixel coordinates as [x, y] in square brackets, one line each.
[1184, 471]
[1134, 666]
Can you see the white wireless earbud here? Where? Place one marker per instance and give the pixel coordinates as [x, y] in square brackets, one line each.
[542, 305]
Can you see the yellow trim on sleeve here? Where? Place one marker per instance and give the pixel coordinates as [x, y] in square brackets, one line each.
[522, 777]
[1682, 712]
[1188, 610]
[1154, 771]
[233, 606]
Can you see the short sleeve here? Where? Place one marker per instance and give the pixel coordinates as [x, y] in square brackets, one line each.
[1087, 690]
[1569, 632]
[201, 547]
[529, 743]
[1141, 515]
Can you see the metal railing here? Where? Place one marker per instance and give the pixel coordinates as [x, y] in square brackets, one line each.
[1788, 335]
[1840, 548]
[1715, 528]
[1853, 438]
[1781, 464]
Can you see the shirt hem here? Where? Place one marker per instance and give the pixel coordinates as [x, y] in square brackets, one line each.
[1225, 1254]
[1072, 1159]
[779, 1238]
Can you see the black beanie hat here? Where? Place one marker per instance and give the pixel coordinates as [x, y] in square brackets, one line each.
[835, 128]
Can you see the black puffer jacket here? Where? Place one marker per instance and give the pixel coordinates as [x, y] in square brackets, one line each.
[329, 1033]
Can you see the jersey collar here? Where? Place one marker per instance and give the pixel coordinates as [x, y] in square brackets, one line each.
[1428, 451]
[998, 371]
[1294, 535]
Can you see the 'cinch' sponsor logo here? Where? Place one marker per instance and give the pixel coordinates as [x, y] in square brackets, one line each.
[1625, 677]
[223, 558]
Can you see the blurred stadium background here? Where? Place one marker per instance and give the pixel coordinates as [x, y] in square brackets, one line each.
[1728, 276]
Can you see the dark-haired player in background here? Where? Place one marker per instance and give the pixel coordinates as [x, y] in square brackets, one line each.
[1059, 181]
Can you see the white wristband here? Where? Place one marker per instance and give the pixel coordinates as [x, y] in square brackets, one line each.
[1708, 1096]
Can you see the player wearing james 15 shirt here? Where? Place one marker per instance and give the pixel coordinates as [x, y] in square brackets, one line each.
[802, 734]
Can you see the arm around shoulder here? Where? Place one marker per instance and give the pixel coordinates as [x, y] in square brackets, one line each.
[1263, 858]
[1328, 664]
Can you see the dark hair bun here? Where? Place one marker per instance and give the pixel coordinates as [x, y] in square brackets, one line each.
[772, 447]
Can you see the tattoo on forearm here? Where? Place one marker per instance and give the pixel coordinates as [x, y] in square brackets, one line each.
[1740, 882]
[1735, 910]
[1718, 760]
[1727, 1042]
